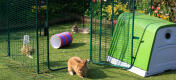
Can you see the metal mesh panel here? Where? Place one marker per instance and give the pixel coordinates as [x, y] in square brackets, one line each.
[32, 18]
[100, 46]
[144, 6]
[22, 21]
[3, 27]
[104, 17]
[121, 46]
[62, 20]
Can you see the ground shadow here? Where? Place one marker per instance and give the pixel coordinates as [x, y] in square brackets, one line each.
[58, 64]
[96, 74]
[73, 45]
[116, 73]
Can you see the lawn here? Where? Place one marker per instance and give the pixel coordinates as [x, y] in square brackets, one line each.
[12, 68]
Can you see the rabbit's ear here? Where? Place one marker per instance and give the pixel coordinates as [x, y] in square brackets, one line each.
[76, 25]
[88, 60]
[73, 26]
[84, 61]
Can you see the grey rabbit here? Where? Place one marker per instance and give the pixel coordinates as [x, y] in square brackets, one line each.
[75, 29]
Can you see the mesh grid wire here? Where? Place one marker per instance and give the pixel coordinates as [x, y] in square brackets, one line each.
[24, 17]
[62, 20]
[22, 20]
[103, 32]
[144, 6]
[119, 46]
[3, 27]
[121, 42]
[42, 36]
[17, 19]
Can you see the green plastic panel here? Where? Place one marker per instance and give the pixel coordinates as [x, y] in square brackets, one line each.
[145, 29]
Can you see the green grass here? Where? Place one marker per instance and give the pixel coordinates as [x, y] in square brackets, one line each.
[98, 72]
[13, 68]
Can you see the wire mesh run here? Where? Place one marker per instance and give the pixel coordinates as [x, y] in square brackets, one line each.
[111, 39]
[72, 21]
[28, 26]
